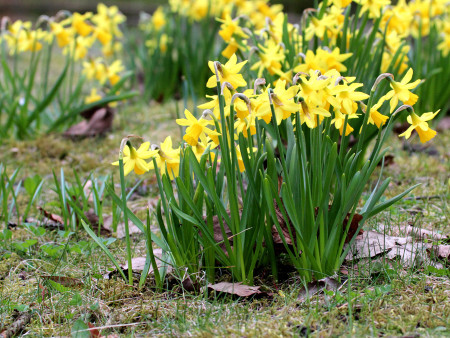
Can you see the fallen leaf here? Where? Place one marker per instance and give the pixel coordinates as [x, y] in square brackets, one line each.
[95, 333]
[314, 287]
[52, 217]
[372, 244]
[400, 127]
[120, 233]
[93, 221]
[190, 285]
[97, 122]
[284, 229]
[388, 160]
[237, 289]
[354, 225]
[417, 233]
[420, 148]
[441, 252]
[138, 264]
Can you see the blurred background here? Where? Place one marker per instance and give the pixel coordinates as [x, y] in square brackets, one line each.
[29, 9]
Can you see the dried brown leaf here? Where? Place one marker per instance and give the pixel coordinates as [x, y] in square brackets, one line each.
[317, 286]
[441, 252]
[99, 122]
[132, 228]
[93, 221]
[52, 217]
[138, 264]
[95, 333]
[64, 281]
[373, 244]
[237, 289]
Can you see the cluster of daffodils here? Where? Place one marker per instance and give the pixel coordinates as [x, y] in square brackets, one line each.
[158, 24]
[316, 98]
[76, 35]
[397, 23]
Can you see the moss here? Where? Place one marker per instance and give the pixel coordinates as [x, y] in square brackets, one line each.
[8, 263]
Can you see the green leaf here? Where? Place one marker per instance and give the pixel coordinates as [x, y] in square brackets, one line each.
[49, 98]
[103, 247]
[76, 300]
[133, 218]
[380, 207]
[80, 330]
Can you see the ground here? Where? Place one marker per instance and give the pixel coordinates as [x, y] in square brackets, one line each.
[383, 299]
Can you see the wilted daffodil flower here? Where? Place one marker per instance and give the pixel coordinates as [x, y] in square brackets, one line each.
[134, 159]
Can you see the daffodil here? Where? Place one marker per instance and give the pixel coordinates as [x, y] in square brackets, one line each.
[309, 114]
[339, 122]
[229, 72]
[270, 58]
[94, 96]
[63, 35]
[375, 116]
[112, 71]
[109, 18]
[168, 158]
[230, 27]
[195, 128]
[201, 147]
[158, 19]
[283, 103]
[346, 95]
[373, 7]
[420, 125]
[135, 159]
[239, 157]
[401, 91]
[214, 103]
[80, 25]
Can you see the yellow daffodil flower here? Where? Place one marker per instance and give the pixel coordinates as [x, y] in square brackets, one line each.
[401, 91]
[63, 35]
[374, 7]
[239, 157]
[195, 128]
[134, 159]
[80, 25]
[375, 116]
[169, 158]
[229, 72]
[420, 125]
[339, 121]
[346, 96]
[230, 27]
[283, 103]
[93, 96]
[158, 20]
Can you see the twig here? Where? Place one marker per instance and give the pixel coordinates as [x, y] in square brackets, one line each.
[17, 326]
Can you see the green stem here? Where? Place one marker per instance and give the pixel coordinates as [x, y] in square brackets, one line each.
[125, 219]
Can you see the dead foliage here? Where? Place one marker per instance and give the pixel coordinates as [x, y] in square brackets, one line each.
[315, 287]
[410, 250]
[237, 289]
[98, 120]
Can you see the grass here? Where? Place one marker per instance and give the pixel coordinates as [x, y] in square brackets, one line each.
[383, 299]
